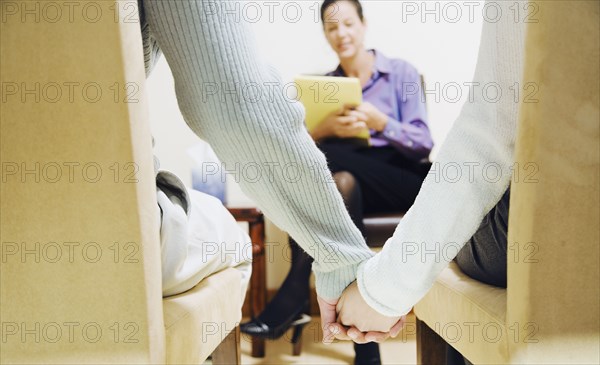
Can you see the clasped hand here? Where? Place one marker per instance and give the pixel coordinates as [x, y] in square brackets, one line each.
[351, 318]
[349, 121]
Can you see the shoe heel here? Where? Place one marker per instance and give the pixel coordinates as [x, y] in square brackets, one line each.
[297, 335]
[297, 339]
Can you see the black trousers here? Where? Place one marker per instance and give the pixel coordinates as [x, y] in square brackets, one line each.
[387, 181]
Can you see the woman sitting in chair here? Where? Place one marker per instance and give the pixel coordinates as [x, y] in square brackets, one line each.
[383, 177]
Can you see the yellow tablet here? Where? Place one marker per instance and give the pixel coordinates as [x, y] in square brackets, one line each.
[322, 95]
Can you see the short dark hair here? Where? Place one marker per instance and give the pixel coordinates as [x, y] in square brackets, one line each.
[327, 3]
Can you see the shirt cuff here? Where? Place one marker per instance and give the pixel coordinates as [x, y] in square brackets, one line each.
[331, 284]
[373, 292]
[393, 132]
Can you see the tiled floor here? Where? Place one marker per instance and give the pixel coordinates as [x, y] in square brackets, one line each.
[401, 350]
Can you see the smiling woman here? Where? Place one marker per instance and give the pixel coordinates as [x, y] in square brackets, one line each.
[340, 19]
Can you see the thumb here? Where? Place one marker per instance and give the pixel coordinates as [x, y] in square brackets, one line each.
[328, 317]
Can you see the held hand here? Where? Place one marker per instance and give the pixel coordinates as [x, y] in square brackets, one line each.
[372, 116]
[353, 334]
[339, 124]
[363, 324]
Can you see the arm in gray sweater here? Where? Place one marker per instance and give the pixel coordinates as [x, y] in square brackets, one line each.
[229, 98]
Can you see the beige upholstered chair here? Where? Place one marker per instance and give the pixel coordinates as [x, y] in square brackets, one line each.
[550, 311]
[80, 267]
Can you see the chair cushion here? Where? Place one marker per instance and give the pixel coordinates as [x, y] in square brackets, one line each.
[198, 320]
[380, 227]
[469, 315]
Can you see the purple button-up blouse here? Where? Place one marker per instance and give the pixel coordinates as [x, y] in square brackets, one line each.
[395, 89]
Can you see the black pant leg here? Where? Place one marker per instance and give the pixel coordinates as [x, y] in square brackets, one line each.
[387, 182]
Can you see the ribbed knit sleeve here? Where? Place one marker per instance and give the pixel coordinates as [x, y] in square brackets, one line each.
[448, 210]
[231, 99]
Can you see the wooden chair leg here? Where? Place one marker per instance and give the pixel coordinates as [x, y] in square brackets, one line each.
[228, 352]
[431, 348]
[258, 287]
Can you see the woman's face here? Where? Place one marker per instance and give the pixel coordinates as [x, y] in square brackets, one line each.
[344, 30]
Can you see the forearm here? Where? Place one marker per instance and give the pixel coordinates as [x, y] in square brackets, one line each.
[450, 208]
[444, 216]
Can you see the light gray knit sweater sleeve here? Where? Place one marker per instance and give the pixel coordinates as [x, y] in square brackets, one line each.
[471, 173]
[229, 98]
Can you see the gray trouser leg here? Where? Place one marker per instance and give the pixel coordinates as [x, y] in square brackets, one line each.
[484, 256]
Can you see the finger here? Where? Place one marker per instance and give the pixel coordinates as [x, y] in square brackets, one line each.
[356, 335]
[346, 120]
[378, 337]
[352, 130]
[340, 332]
[365, 106]
[395, 330]
[357, 127]
[328, 334]
[329, 331]
[362, 108]
[359, 115]
[338, 328]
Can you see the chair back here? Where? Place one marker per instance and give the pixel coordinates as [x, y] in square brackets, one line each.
[553, 239]
[80, 264]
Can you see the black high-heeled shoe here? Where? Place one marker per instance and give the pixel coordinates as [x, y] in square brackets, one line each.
[256, 327]
[289, 306]
[260, 329]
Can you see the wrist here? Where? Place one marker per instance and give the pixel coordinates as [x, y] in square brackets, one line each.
[383, 121]
[331, 283]
[376, 292]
